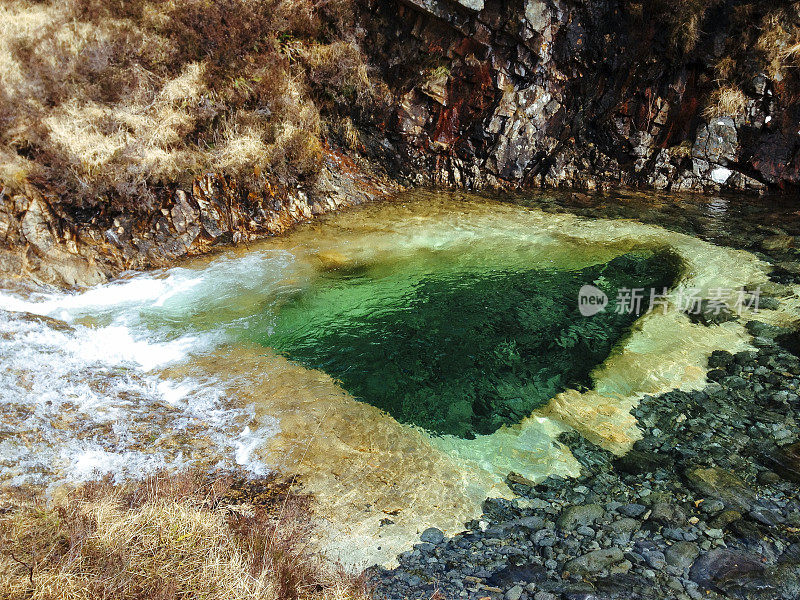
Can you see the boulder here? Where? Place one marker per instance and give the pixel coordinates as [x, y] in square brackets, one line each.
[717, 142]
[732, 573]
[579, 516]
[718, 565]
[723, 485]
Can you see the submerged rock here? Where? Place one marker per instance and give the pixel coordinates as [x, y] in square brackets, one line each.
[785, 461]
[597, 561]
[723, 567]
[681, 554]
[722, 485]
[577, 516]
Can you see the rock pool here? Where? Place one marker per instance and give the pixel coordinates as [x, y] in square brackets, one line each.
[401, 358]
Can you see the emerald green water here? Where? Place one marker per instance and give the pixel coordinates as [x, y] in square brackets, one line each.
[453, 347]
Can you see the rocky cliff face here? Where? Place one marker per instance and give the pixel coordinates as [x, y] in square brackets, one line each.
[588, 93]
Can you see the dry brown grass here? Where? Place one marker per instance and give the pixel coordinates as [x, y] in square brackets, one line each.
[683, 20]
[106, 101]
[779, 41]
[725, 68]
[727, 100]
[168, 538]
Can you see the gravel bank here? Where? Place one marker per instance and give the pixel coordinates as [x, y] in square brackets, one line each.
[705, 505]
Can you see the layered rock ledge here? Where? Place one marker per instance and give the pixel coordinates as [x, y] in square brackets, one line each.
[46, 240]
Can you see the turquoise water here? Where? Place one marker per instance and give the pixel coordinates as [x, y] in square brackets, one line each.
[453, 347]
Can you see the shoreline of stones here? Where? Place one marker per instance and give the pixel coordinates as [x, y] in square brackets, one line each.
[706, 504]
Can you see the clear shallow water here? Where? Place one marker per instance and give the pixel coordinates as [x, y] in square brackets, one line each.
[449, 312]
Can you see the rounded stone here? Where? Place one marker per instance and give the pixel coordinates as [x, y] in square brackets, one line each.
[432, 535]
[681, 554]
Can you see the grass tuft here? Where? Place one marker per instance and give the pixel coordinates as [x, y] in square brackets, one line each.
[725, 101]
[167, 538]
[779, 41]
[682, 20]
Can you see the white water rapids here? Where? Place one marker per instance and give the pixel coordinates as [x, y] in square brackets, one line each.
[81, 392]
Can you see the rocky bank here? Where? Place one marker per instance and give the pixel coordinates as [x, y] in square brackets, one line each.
[690, 96]
[705, 506]
[46, 240]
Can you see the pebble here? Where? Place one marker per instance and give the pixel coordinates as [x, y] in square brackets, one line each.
[432, 535]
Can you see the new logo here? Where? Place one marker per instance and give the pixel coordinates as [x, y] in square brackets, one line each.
[591, 300]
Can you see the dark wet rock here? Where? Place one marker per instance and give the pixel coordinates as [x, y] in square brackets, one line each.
[625, 525]
[725, 518]
[716, 566]
[581, 515]
[681, 554]
[667, 514]
[722, 485]
[594, 562]
[633, 510]
[781, 581]
[712, 507]
[432, 535]
[717, 374]
[720, 359]
[655, 559]
[790, 341]
[504, 106]
[767, 478]
[642, 461]
[784, 461]
[513, 574]
[765, 516]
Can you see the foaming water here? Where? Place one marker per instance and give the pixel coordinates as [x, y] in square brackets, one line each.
[175, 367]
[80, 387]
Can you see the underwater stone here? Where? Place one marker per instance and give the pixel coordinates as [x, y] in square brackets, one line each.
[577, 516]
[389, 336]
